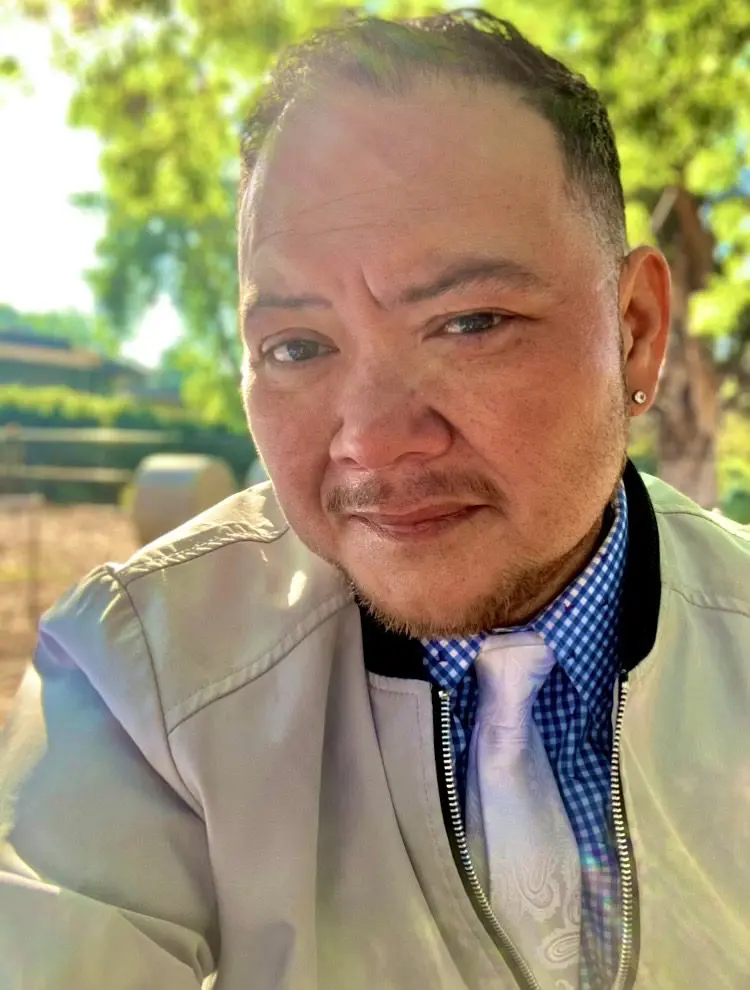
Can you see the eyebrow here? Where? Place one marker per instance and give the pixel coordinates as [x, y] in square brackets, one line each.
[459, 274]
[474, 271]
[267, 300]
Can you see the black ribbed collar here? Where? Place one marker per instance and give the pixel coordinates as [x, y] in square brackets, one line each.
[393, 655]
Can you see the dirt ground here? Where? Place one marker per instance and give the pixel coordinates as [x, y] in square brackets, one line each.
[71, 541]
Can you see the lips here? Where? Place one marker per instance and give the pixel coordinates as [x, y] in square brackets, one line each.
[428, 513]
[425, 522]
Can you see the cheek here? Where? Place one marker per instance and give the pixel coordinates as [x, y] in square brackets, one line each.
[292, 438]
[514, 429]
[529, 416]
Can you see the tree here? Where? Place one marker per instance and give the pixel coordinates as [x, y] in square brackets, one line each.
[676, 78]
[165, 86]
[165, 83]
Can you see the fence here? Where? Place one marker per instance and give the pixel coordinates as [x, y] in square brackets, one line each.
[16, 472]
[30, 506]
[83, 464]
[67, 464]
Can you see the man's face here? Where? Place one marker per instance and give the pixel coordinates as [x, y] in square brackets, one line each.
[434, 356]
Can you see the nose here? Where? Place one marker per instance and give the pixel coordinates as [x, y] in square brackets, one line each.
[384, 420]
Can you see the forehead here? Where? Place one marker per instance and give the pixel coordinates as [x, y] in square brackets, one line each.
[441, 169]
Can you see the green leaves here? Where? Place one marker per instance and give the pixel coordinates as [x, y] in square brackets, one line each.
[10, 68]
[166, 83]
[11, 75]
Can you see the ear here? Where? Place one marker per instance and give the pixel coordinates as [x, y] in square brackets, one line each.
[644, 296]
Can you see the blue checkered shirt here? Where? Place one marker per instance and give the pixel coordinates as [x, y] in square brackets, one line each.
[574, 714]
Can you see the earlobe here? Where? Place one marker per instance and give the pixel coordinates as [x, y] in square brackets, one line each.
[644, 317]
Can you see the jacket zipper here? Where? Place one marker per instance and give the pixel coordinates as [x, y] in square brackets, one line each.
[628, 957]
[518, 965]
[524, 977]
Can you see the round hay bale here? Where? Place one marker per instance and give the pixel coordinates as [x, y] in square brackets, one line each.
[256, 473]
[169, 489]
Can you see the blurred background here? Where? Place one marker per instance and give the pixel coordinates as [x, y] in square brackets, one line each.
[119, 124]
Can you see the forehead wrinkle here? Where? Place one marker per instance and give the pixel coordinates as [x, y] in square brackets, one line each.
[252, 242]
[266, 204]
[353, 194]
[298, 235]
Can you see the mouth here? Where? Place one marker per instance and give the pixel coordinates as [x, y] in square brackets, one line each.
[409, 524]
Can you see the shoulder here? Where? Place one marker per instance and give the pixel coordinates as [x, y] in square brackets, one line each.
[204, 608]
[704, 556]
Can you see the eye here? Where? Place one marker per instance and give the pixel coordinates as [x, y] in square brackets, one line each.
[474, 324]
[297, 351]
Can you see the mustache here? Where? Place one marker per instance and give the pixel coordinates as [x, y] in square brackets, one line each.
[378, 493]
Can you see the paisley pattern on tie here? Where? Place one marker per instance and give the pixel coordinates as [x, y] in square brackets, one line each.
[573, 711]
[520, 838]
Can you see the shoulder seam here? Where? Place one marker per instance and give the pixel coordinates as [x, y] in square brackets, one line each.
[214, 691]
[734, 529]
[141, 568]
[699, 598]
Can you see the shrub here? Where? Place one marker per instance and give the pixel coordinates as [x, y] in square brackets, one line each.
[60, 407]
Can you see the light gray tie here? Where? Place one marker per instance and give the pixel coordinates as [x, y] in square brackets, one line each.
[519, 835]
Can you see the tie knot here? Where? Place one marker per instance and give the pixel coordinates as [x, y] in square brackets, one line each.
[511, 669]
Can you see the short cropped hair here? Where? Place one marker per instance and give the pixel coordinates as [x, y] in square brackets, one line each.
[389, 57]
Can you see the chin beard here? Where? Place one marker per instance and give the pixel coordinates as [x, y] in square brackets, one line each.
[514, 605]
[520, 598]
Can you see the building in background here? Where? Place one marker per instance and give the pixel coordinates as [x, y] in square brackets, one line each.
[30, 358]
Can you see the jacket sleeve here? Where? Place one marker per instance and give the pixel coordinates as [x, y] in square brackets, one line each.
[104, 869]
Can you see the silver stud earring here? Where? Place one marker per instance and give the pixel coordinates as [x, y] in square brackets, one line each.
[639, 397]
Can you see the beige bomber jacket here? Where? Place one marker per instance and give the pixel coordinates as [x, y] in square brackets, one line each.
[203, 784]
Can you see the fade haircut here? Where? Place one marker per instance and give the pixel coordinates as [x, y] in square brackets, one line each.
[390, 57]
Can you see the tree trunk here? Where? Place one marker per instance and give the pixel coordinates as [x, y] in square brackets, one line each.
[687, 414]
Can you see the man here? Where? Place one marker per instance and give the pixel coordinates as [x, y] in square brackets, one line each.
[461, 702]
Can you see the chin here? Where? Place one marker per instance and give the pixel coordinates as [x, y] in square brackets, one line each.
[439, 604]
[431, 613]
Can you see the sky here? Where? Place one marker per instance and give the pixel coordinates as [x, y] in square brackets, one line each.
[46, 244]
